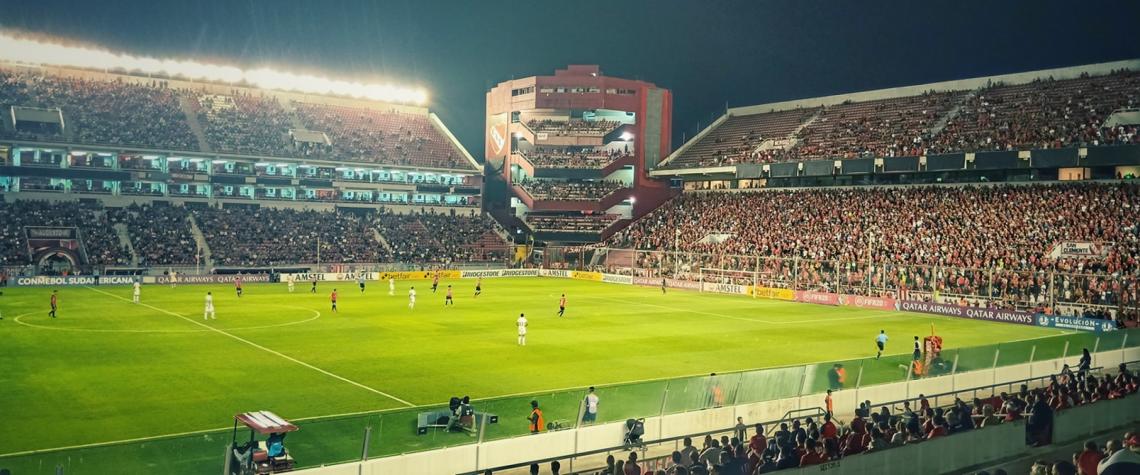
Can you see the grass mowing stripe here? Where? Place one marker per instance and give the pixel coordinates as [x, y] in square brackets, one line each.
[262, 348]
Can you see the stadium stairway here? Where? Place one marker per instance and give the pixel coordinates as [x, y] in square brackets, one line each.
[200, 239]
[192, 119]
[940, 124]
[125, 241]
[291, 112]
[793, 138]
[381, 240]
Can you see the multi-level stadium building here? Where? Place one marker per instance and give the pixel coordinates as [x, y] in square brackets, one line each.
[574, 150]
[130, 149]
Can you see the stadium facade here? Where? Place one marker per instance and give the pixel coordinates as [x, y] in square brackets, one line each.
[574, 150]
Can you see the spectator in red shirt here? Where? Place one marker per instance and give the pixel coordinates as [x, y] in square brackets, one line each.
[939, 429]
[756, 446]
[814, 455]
[829, 431]
[1088, 459]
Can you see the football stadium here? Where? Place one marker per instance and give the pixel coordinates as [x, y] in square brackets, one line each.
[264, 250]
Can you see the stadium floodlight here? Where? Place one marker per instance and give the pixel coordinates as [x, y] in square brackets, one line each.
[626, 136]
[33, 51]
[219, 162]
[77, 153]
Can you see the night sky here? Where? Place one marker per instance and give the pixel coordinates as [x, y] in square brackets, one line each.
[708, 52]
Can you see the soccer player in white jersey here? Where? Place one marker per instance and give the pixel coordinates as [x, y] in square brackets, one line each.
[290, 279]
[173, 279]
[412, 298]
[135, 296]
[521, 322]
[391, 286]
[209, 307]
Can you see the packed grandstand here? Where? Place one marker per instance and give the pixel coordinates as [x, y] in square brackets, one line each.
[1044, 113]
[386, 186]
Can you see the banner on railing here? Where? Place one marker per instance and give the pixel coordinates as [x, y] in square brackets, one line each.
[1077, 249]
[821, 298]
[617, 279]
[554, 273]
[861, 301]
[493, 273]
[214, 278]
[1076, 323]
[583, 275]
[670, 283]
[774, 293]
[726, 288]
[974, 313]
[54, 280]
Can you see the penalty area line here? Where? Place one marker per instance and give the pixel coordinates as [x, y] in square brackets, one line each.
[262, 348]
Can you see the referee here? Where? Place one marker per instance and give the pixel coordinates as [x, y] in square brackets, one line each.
[881, 342]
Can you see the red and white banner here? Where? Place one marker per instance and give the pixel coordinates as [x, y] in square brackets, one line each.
[860, 301]
[877, 303]
[822, 298]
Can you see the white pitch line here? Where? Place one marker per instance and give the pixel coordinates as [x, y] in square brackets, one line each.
[18, 320]
[262, 348]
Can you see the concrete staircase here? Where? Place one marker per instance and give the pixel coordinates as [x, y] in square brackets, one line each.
[207, 256]
[951, 114]
[790, 141]
[380, 239]
[195, 126]
[125, 241]
[292, 113]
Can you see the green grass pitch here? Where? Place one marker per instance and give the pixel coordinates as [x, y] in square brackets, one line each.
[110, 370]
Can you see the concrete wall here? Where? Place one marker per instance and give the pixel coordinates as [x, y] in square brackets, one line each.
[949, 454]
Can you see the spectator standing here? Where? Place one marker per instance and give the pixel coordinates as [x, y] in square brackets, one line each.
[741, 430]
[535, 419]
[590, 414]
[631, 467]
[689, 454]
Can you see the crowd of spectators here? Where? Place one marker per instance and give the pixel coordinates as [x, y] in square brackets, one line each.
[881, 128]
[264, 236]
[1046, 113]
[571, 190]
[572, 127]
[814, 441]
[591, 223]
[159, 234]
[98, 238]
[150, 114]
[245, 123]
[551, 157]
[990, 241]
[369, 135]
[441, 238]
[100, 112]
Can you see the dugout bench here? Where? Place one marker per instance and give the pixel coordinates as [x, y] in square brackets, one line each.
[443, 419]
